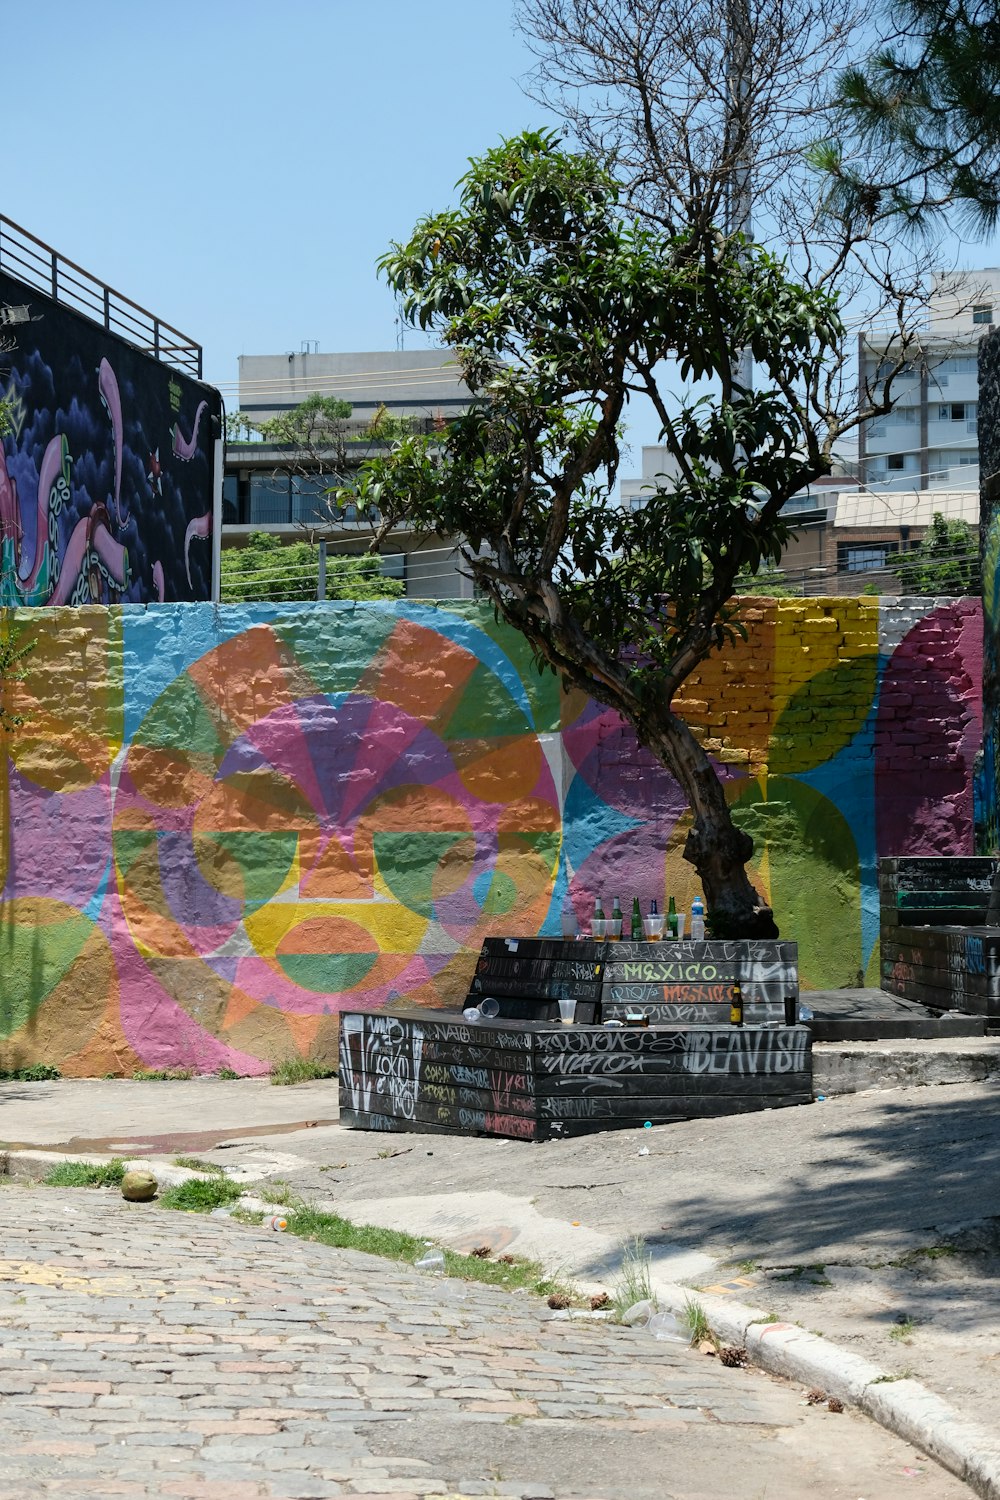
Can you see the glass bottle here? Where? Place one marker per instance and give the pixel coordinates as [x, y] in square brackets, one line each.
[636, 921]
[736, 1004]
[672, 917]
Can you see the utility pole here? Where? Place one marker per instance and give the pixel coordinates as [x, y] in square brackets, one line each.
[738, 144]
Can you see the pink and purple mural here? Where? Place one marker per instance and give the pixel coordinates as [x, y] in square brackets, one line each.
[106, 478]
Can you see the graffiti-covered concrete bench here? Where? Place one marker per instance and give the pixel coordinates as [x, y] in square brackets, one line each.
[531, 1077]
[935, 945]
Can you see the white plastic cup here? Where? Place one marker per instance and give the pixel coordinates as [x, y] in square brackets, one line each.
[664, 1326]
[432, 1260]
[653, 928]
[613, 929]
[489, 1007]
[598, 929]
[680, 924]
[567, 1010]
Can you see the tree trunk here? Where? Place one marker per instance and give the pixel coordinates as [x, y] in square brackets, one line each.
[715, 846]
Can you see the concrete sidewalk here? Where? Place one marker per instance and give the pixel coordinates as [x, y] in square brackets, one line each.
[870, 1218]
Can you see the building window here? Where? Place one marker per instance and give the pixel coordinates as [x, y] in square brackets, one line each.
[867, 559]
[270, 500]
[957, 411]
[895, 461]
[982, 312]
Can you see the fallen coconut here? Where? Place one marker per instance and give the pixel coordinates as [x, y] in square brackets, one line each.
[139, 1186]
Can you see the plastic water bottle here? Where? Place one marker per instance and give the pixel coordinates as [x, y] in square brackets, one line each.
[279, 1223]
[697, 920]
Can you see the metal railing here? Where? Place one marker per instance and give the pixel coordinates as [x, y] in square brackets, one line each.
[31, 261]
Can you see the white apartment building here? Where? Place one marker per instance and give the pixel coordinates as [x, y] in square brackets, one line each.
[929, 440]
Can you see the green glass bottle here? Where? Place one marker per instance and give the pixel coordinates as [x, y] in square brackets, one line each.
[672, 917]
[636, 921]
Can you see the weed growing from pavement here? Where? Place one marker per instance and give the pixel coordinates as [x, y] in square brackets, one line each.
[901, 1331]
[747, 1267]
[814, 1275]
[86, 1174]
[692, 1317]
[392, 1244]
[300, 1070]
[633, 1284]
[913, 1258]
[195, 1164]
[226, 1074]
[197, 1196]
[37, 1073]
[162, 1075]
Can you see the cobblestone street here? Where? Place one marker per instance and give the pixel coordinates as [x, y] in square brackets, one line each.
[163, 1354]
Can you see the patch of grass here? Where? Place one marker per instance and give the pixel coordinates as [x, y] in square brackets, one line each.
[196, 1164]
[816, 1274]
[747, 1267]
[891, 1379]
[692, 1316]
[199, 1197]
[633, 1284]
[300, 1070]
[37, 1073]
[86, 1174]
[925, 1252]
[768, 1318]
[902, 1330]
[392, 1244]
[226, 1073]
[161, 1075]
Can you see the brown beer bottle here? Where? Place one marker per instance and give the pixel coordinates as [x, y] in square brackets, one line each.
[736, 1004]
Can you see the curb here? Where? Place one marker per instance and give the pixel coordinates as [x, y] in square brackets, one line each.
[903, 1407]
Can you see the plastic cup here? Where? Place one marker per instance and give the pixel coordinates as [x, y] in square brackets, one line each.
[680, 924]
[598, 930]
[489, 1007]
[567, 1011]
[613, 929]
[653, 928]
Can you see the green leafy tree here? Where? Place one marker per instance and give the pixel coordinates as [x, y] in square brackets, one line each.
[560, 310]
[946, 561]
[920, 119]
[267, 570]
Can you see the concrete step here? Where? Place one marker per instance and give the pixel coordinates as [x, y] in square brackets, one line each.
[853, 1067]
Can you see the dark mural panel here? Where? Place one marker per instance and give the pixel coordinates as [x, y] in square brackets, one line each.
[106, 479]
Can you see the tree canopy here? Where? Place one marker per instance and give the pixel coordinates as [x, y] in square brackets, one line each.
[920, 119]
[945, 562]
[560, 310]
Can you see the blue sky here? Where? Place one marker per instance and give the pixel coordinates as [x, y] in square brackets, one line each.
[239, 168]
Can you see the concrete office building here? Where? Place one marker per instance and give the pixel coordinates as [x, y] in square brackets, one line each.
[268, 489]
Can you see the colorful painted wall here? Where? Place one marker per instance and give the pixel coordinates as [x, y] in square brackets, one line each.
[106, 479]
[988, 771]
[223, 826]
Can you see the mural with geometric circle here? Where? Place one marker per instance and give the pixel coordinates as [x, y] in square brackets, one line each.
[222, 827]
